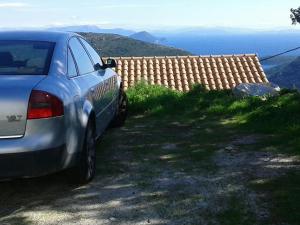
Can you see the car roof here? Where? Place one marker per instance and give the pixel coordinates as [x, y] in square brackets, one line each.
[50, 36]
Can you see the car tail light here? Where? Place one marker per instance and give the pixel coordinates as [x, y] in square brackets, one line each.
[44, 105]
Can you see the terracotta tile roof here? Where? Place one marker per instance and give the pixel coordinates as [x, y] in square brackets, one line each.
[182, 72]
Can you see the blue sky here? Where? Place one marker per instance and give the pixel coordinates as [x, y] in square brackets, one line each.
[150, 14]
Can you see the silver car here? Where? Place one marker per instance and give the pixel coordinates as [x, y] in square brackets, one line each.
[57, 97]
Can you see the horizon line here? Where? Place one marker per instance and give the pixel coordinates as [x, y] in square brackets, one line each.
[155, 28]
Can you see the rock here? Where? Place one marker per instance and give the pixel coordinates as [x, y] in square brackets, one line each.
[229, 148]
[112, 219]
[258, 90]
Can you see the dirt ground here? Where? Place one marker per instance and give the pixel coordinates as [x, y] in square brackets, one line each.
[156, 173]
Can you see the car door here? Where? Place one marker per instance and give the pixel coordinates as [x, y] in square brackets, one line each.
[89, 81]
[107, 84]
[111, 83]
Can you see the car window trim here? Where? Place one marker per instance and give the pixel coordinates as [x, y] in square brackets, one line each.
[87, 52]
[75, 62]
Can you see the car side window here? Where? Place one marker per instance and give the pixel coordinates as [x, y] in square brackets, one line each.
[94, 55]
[72, 70]
[82, 59]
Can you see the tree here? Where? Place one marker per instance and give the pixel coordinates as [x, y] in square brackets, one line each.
[295, 16]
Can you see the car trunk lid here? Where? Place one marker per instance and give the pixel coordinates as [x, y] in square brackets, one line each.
[14, 96]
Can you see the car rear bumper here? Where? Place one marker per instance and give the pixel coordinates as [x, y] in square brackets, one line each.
[31, 164]
[40, 134]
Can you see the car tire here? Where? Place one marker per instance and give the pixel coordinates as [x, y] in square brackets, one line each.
[122, 111]
[85, 170]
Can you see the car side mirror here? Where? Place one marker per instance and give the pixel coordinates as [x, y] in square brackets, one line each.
[111, 63]
[97, 67]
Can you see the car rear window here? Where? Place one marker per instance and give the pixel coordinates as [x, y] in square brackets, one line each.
[25, 57]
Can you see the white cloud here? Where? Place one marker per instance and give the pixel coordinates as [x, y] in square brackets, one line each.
[13, 5]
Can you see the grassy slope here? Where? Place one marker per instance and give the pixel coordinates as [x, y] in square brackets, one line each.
[116, 45]
[277, 117]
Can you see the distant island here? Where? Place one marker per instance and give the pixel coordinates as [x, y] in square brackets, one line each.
[147, 37]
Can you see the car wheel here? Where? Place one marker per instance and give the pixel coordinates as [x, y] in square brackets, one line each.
[122, 111]
[85, 170]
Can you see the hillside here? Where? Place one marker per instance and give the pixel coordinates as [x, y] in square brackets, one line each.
[279, 60]
[116, 45]
[286, 76]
